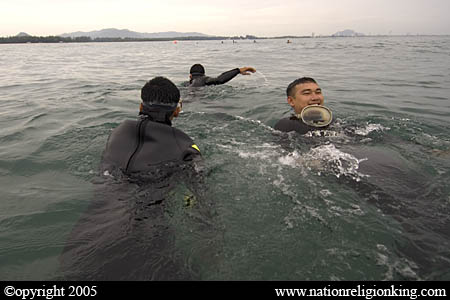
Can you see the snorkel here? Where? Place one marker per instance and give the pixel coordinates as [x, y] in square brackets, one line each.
[316, 115]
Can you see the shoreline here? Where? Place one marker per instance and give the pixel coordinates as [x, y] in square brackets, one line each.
[86, 39]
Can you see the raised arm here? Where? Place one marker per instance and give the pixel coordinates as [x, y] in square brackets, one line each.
[227, 76]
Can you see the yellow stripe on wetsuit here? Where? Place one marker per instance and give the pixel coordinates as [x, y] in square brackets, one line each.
[195, 147]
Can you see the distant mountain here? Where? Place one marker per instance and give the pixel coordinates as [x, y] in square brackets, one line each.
[23, 34]
[125, 33]
[347, 32]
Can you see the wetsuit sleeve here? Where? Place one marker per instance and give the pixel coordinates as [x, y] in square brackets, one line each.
[222, 78]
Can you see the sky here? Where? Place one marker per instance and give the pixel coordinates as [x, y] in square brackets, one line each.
[226, 18]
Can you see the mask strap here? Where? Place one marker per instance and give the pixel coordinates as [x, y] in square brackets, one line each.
[158, 112]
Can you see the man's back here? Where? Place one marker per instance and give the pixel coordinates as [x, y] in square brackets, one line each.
[221, 79]
[137, 146]
[124, 234]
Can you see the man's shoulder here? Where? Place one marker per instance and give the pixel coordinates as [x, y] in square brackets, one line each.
[184, 141]
[198, 81]
[127, 124]
[291, 124]
[123, 129]
[180, 133]
[286, 124]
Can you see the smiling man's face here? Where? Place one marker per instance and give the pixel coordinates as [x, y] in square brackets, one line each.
[307, 93]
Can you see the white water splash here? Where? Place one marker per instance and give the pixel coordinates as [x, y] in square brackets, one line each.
[340, 211]
[326, 159]
[257, 122]
[369, 128]
[292, 159]
[255, 154]
[402, 266]
[264, 77]
[263, 151]
[325, 193]
[327, 133]
[430, 140]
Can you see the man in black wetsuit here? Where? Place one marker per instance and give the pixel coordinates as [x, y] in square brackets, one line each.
[300, 93]
[197, 75]
[125, 234]
[139, 145]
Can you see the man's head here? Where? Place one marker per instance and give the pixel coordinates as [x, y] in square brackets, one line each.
[160, 95]
[196, 70]
[303, 92]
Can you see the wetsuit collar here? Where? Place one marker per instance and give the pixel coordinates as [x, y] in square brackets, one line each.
[160, 113]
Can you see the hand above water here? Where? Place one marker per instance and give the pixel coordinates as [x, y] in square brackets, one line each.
[246, 70]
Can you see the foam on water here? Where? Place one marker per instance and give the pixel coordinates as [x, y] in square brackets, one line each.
[400, 266]
[264, 151]
[324, 159]
[257, 122]
[369, 128]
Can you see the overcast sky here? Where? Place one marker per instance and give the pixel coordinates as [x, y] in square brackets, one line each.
[230, 17]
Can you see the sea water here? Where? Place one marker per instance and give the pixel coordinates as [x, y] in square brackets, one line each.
[367, 198]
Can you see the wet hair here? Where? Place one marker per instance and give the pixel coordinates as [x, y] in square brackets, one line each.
[290, 91]
[197, 69]
[160, 90]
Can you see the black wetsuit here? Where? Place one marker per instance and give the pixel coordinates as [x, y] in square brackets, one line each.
[202, 80]
[125, 234]
[293, 124]
[138, 146]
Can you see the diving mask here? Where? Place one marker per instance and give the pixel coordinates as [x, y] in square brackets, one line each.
[316, 115]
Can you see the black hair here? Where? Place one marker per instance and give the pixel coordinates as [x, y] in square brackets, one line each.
[197, 69]
[160, 90]
[290, 91]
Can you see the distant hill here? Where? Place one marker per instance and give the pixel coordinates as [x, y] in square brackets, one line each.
[125, 33]
[23, 34]
[347, 32]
